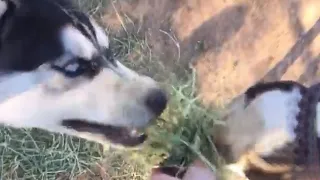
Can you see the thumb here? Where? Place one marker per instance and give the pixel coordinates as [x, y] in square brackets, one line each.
[157, 175]
[198, 170]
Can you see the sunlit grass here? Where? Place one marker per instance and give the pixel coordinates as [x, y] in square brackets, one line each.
[182, 134]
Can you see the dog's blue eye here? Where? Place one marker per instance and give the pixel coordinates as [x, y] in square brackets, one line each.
[109, 54]
[79, 67]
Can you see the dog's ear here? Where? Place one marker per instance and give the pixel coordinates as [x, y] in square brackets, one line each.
[7, 8]
[24, 54]
[26, 39]
[7, 53]
[3, 7]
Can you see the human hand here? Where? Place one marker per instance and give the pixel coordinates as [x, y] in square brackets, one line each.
[195, 171]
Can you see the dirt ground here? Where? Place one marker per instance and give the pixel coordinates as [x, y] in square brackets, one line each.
[231, 43]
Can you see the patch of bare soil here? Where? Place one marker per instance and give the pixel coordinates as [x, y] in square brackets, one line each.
[232, 43]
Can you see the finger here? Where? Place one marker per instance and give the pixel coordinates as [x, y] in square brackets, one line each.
[199, 171]
[157, 175]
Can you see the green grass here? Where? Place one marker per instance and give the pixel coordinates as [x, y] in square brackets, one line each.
[35, 154]
[182, 134]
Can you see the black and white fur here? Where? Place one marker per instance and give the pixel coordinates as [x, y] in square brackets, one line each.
[56, 73]
[263, 120]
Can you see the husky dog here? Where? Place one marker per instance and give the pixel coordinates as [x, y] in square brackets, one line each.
[57, 74]
[261, 128]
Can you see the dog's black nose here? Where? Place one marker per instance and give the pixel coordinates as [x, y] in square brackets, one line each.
[157, 101]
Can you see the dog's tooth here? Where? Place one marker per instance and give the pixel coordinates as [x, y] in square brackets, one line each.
[134, 132]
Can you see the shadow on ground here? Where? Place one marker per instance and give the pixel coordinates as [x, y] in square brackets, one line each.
[232, 44]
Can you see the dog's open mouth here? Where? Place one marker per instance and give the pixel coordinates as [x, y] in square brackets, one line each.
[118, 135]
